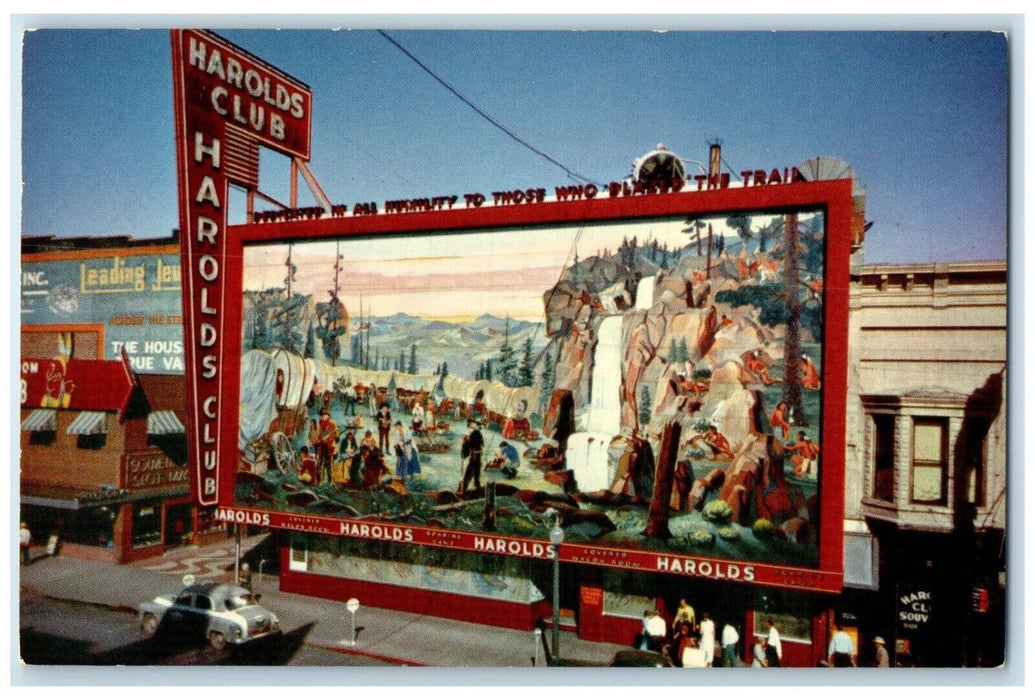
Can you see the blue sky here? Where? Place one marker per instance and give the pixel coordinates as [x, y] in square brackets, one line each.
[920, 116]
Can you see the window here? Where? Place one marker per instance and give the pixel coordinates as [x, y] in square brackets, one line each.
[299, 560]
[147, 524]
[202, 602]
[884, 457]
[91, 526]
[930, 461]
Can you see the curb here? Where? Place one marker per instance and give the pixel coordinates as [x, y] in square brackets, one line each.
[119, 607]
[367, 654]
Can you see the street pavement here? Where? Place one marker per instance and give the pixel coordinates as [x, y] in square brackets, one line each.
[407, 639]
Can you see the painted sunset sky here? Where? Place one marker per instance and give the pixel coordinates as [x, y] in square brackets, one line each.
[447, 276]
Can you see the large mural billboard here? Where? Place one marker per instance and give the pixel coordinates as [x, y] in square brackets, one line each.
[660, 374]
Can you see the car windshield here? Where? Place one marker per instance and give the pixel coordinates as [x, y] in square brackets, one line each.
[240, 601]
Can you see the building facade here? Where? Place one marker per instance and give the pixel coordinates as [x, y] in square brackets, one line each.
[925, 491]
[925, 517]
[103, 449]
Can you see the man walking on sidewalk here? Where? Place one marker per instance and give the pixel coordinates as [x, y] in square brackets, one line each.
[25, 543]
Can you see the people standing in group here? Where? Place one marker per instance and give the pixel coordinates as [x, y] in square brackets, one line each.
[384, 428]
[841, 650]
[730, 639]
[25, 543]
[708, 638]
[773, 648]
[472, 448]
[880, 653]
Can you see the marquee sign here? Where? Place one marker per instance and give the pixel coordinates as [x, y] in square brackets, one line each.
[226, 102]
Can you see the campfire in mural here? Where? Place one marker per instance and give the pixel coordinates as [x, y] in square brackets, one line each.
[663, 392]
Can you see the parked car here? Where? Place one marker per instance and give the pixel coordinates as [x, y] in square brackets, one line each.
[221, 613]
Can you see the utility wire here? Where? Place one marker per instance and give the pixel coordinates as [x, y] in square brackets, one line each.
[571, 173]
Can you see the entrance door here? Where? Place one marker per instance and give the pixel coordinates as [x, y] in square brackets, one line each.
[179, 525]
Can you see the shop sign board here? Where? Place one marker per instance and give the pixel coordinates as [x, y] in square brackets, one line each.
[104, 292]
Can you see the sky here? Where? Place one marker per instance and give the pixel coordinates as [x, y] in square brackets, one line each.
[921, 117]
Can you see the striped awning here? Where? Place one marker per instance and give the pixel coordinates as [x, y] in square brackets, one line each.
[164, 423]
[41, 419]
[89, 423]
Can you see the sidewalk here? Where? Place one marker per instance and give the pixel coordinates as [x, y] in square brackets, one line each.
[409, 639]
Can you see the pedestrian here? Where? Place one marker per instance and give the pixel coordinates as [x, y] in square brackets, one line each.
[880, 654]
[730, 639]
[25, 543]
[656, 629]
[685, 614]
[841, 651]
[244, 577]
[773, 648]
[708, 638]
[758, 655]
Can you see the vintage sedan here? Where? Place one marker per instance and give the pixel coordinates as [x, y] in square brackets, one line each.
[221, 613]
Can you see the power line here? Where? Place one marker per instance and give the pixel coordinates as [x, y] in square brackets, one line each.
[571, 173]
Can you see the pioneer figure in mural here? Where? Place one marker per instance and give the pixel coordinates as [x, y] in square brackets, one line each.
[505, 461]
[384, 427]
[471, 450]
[806, 455]
[408, 462]
[325, 445]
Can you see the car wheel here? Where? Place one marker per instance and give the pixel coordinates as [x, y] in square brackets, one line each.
[217, 640]
[149, 625]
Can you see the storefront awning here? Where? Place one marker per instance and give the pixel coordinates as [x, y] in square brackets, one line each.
[40, 419]
[164, 423]
[72, 498]
[89, 423]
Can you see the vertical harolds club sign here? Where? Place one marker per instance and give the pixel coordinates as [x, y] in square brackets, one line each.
[227, 102]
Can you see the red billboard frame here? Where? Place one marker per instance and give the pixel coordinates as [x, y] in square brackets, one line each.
[832, 197]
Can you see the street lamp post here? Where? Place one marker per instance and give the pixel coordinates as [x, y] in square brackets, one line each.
[556, 538]
[352, 605]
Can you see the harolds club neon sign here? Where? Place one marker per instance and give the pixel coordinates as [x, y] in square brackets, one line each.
[228, 103]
